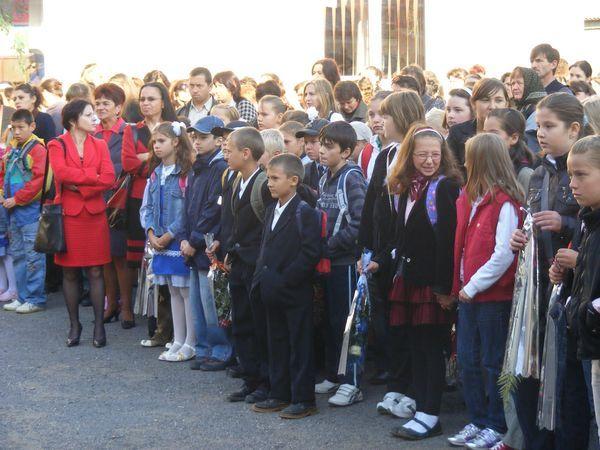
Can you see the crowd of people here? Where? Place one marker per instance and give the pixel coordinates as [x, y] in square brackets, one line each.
[251, 216]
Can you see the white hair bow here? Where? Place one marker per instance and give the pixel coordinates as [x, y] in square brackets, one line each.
[177, 127]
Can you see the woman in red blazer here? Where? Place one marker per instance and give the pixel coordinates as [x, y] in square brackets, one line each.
[83, 171]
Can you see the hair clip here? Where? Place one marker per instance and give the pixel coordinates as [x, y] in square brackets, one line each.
[423, 130]
[177, 126]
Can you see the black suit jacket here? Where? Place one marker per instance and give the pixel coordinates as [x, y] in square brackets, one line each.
[289, 254]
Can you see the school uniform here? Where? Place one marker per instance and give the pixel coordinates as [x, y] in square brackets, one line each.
[248, 315]
[290, 249]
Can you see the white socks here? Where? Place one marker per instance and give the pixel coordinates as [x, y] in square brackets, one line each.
[427, 419]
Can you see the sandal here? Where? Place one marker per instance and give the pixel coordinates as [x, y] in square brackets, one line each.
[185, 353]
[412, 435]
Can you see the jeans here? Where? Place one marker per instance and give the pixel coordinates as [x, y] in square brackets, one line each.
[481, 339]
[212, 339]
[30, 266]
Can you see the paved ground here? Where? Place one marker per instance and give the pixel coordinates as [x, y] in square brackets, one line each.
[121, 396]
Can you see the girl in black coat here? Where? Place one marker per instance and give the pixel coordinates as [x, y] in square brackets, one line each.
[425, 183]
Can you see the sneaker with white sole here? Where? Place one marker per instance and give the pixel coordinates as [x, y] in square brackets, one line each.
[326, 387]
[7, 296]
[405, 408]
[389, 400]
[486, 438]
[467, 434]
[28, 308]
[12, 306]
[346, 395]
[502, 446]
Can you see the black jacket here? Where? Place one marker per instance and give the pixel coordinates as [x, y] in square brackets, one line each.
[427, 251]
[312, 174]
[457, 136]
[288, 255]
[246, 229]
[583, 319]
[227, 179]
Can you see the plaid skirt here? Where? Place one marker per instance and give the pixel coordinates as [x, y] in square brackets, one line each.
[416, 305]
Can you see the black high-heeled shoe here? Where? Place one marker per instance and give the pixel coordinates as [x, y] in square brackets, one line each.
[114, 316]
[127, 324]
[99, 341]
[73, 341]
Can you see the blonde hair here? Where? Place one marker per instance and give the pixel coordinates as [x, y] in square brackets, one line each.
[325, 95]
[590, 147]
[405, 108]
[230, 112]
[591, 107]
[273, 140]
[489, 166]
[403, 170]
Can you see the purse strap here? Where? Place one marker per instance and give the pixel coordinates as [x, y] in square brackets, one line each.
[47, 166]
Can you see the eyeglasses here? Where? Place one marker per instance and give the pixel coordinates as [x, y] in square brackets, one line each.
[425, 156]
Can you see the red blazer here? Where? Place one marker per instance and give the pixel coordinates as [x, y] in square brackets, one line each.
[475, 242]
[131, 163]
[92, 176]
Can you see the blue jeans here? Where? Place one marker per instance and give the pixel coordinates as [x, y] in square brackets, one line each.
[212, 339]
[30, 266]
[481, 337]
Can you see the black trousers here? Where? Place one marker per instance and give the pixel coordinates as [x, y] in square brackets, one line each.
[400, 364]
[427, 344]
[248, 327]
[380, 325]
[291, 359]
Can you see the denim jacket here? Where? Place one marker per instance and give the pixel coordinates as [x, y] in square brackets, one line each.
[169, 217]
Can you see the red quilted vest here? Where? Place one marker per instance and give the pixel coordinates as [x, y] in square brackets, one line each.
[475, 242]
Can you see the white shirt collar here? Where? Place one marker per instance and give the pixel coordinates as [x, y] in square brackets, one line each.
[243, 183]
[204, 107]
[279, 209]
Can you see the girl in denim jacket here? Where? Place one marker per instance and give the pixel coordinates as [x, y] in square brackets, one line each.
[162, 215]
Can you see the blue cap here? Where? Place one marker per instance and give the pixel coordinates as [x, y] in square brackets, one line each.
[231, 126]
[313, 128]
[206, 125]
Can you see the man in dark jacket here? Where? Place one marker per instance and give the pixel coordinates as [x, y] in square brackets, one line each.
[349, 97]
[544, 61]
[199, 84]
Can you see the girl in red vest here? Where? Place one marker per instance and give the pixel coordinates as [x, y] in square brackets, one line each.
[488, 211]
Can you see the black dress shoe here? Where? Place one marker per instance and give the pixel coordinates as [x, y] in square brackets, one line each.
[412, 435]
[235, 371]
[270, 405]
[257, 396]
[299, 410]
[74, 336]
[127, 324]
[196, 363]
[240, 396]
[380, 378]
[213, 365]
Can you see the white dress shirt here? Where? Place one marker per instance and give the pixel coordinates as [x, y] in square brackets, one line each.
[195, 114]
[279, 211]
[244, 183]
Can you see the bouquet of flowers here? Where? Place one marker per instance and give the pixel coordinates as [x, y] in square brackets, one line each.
[218, 281]
[355, 333]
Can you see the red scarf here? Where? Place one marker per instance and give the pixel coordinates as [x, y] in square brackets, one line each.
[417, 186]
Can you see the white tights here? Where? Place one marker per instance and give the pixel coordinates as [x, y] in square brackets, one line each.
[8, 280]
[183, 319]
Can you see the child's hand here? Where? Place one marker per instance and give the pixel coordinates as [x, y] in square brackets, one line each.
[187, 249]
[371, 268]
[566, 258]
[165, 240]
[154, 243]
[463, 297]
[556, 273]
[445, 301]
[9, 203]
[211, 251]
[548, 221]
[518, 241]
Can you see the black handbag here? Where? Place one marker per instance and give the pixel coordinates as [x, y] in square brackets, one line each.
[50, 237]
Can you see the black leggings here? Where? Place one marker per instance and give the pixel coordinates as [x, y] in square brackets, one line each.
[427, 343]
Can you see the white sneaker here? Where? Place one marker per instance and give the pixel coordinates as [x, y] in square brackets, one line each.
[28, 308]
[185, 353]
[12, 306]
[486, 438]
[7, 296]
[346, 395]
[405, 408]
[389, 400]
[326, 387]
[467, 434]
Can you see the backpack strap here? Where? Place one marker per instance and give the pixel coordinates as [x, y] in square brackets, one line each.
[430, 200]
[256, 199]
[342, 199]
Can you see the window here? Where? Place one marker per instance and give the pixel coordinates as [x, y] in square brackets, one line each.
[385, 33]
